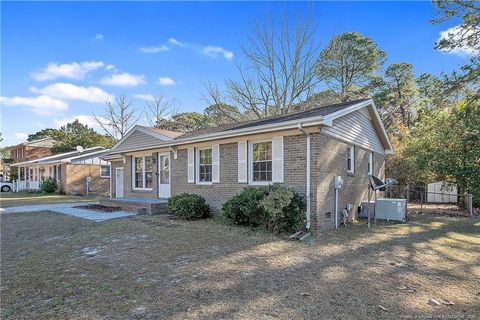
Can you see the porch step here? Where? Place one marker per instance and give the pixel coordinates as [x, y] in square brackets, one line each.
[138, 205]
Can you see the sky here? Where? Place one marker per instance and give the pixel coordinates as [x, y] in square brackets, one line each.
[62, 60]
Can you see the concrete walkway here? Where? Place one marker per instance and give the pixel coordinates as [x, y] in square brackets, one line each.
[67, 208]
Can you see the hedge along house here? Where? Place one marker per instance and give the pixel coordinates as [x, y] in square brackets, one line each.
[76, 172]
[303, 150]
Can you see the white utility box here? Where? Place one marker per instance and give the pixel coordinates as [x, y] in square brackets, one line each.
[391, 209]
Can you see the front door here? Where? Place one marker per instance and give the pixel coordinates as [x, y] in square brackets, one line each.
[119, 183]
[164, 175]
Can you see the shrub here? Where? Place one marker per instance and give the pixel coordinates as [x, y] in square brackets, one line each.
[49, 185]
[189, 206]
[243, 208]
[276, 208]
[285, 209]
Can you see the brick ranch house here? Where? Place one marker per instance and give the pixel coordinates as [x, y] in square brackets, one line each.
[303, 150]
[70, 169]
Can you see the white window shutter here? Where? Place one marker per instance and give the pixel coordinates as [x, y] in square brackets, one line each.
[191, 165]
[277, 159]
[216, 163]
[242, 162]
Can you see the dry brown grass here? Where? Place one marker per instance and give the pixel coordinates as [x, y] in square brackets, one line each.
[154, 268]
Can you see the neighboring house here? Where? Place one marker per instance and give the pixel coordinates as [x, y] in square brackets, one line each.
[74, 171]
[31, 150]
[303, 150]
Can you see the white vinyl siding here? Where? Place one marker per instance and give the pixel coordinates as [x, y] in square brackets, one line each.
[137, 140]
[242, 162]
[356, 128]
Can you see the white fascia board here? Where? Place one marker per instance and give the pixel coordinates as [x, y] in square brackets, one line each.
[292, 124]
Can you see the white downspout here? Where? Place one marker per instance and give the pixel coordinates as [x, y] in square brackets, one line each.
[300, 127]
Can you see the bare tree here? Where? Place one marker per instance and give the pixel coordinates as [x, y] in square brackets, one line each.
[280, 72]
[119, 117]
[159, 109]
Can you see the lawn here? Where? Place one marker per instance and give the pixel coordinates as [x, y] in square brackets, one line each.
[150, 267]
[26, 198]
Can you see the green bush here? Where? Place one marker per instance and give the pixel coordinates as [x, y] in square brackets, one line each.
[243, 209]
[189, 206]
[276, 208]
[49, 185]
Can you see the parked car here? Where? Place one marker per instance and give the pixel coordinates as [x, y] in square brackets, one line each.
[6, 186]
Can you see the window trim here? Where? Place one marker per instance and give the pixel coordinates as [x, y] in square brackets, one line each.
[197, 166]
[144, 182]
[250, 163]
[109, 170]
[370, 163]
[351, 154]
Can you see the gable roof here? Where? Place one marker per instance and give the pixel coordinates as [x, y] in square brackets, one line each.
[323, 115]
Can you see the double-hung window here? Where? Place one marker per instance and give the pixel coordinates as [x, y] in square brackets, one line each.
[262, 161]
[205, 165]
[142, 169]
[105, 171]
[350, 159]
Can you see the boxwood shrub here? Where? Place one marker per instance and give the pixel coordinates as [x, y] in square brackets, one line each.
[276, 208]
[189, 206]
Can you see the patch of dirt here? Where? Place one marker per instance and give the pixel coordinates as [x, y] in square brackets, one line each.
[140, 268]
[99, 207]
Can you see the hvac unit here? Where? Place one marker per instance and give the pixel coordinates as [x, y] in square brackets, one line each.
[391, 209]
[364, 209]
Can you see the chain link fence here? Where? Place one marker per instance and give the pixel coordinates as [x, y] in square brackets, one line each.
[422, 200]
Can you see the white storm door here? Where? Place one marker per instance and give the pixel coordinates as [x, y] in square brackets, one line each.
[119, 183]
[164, 175]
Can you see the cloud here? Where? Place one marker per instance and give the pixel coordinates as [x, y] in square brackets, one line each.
[84, 119]
[123, 80]
[216, 52]
[166, 81]
[175, 42]
[455, 34]
[43, 105]
[74, 70]
[70, 91]
[147, 97]
[21, 135]
[98, 37]
[158, 49]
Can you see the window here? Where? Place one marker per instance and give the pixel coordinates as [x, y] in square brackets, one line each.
[104, 171]
[350, 159]
[262, 161]
[370, 163]
[142, 172]
[204, 165]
